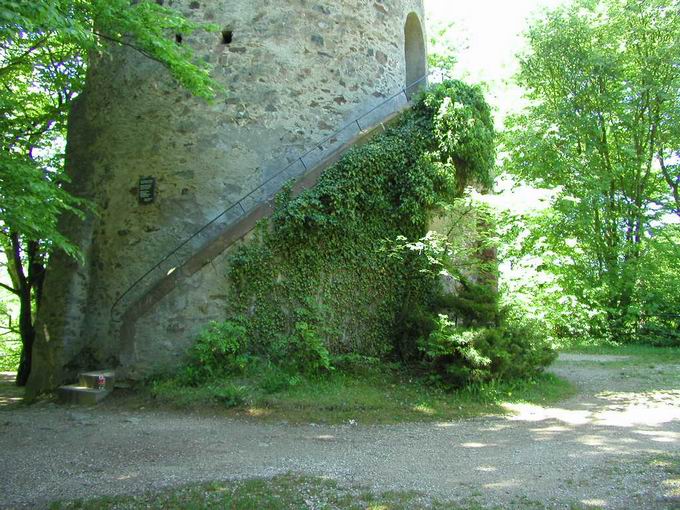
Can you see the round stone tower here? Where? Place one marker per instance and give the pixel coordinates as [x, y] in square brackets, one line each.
[159, 164]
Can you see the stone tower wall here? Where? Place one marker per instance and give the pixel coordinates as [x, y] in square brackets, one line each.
[294, 71]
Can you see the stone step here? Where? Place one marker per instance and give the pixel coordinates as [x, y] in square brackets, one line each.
[98, 379]
[82, 395]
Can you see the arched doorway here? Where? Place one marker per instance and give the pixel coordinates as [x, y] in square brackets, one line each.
[416, 58]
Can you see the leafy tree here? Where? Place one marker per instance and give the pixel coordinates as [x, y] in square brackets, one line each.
[603, 128]
[441, 56]
[45, 47]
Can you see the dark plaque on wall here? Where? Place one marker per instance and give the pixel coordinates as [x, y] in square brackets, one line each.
[147, 190]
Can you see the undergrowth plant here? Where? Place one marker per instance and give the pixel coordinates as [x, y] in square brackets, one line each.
[221, 349]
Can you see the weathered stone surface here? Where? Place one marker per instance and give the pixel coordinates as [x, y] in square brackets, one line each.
[98, 380]
[80, 395]
[294, 71]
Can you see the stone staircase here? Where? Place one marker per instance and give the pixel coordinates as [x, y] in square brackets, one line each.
[92, 388]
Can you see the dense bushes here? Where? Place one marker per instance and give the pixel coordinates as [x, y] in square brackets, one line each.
[223, 350]
[459, 355]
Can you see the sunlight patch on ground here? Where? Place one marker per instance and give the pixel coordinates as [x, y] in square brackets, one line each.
[599, 358]
[258, 412]
[671, 466]
[531, 412]
[621, 410]
[672, 488]
[424, 409]
[635, 409]
[592, 440]
[505, 484]
[553, 429]
[476, 445]
[597, 503]
[446, 425]
[128, 476]
[10, 394]
[660, 436]
[8, 401]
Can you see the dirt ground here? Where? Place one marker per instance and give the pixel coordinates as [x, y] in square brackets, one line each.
[605, 448]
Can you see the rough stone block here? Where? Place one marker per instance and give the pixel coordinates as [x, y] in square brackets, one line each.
[92, 379]
[81, 395]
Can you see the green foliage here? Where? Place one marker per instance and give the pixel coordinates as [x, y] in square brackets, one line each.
[441, 56]
[10, 343]
[473, 305]
[348, 268]
[46, 46]
[461, 355]
[463, 130]
[303, 351]
[9, 354]
[344, 256]
[178, 393]
[414, 321]
[230, 395]
[453, 353]
[45, 49]
[602, 128]
[222, 348]
[364, 389]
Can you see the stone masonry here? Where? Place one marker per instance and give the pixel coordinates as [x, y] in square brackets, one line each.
[294, 71]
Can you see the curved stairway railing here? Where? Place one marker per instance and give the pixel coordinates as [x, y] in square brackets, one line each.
[239, 210]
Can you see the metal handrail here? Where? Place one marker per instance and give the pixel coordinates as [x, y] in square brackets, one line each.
[239, 202]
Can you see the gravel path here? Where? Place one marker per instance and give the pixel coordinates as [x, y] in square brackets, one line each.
[594, 449]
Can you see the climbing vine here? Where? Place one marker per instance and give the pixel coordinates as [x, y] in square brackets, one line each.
[350, 268]
[320, 264]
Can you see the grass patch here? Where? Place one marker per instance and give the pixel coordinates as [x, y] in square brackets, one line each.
[282, 492]
[639, 353]
[382, 395]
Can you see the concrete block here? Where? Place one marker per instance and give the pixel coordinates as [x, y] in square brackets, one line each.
[92, 379]
[81, 395]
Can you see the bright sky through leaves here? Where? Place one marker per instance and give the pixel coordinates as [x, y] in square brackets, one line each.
[488, 35]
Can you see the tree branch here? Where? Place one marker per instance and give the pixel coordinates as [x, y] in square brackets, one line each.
[674, 185]
[16, 259]
[130, 45]
[25, 54]
[10, 289]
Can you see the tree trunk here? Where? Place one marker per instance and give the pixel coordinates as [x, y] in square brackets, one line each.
[27, 332]
[26, 283]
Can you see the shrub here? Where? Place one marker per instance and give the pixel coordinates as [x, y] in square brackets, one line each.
[452, 354]
[304, 351]
[222, 348]
[459, 355]
[413, 323]
[230, 395]
[520, 349]
[472, 305]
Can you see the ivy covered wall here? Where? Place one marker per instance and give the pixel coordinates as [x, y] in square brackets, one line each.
[332, 260]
